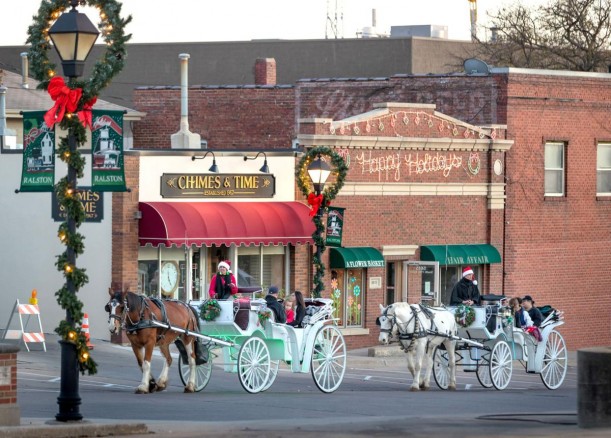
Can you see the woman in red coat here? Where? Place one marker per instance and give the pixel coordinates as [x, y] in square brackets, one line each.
[223, 284]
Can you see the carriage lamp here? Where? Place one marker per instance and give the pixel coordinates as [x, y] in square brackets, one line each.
[73, 36]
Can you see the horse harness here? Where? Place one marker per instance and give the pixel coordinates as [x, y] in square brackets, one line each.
[419, 330]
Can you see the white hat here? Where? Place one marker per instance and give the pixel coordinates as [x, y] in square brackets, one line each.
[224, 265]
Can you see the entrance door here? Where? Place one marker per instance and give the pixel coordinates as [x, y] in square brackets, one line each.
[421, 282]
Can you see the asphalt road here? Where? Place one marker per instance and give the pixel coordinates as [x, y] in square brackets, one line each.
[373, 400]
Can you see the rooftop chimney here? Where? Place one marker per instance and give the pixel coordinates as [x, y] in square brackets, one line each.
[24, 70]
[185, 139]
[9, 135]
[265, 71]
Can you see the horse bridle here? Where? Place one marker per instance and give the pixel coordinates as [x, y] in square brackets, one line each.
[392, 323]
[112, 305]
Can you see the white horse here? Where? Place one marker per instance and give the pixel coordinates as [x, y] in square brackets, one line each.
[415, 326]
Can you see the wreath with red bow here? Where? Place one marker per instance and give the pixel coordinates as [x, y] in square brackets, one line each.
[320, 201]
[72, 111]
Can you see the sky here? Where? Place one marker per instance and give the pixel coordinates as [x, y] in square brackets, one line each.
[244, 20]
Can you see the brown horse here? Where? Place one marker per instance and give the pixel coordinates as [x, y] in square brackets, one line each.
[135, 313]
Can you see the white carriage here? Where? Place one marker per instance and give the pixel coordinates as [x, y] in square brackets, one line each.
[491, 343]
[253, 348]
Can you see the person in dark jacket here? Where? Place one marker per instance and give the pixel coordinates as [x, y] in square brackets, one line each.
[535, 314]
[272, 303]
[300, 309]
[465, 292]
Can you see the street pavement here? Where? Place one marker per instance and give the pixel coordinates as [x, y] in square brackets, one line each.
[544, 424]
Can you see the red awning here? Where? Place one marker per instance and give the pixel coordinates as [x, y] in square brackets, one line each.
[216, 223]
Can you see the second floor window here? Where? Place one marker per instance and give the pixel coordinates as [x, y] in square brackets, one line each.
[603, 169]
[554, 169]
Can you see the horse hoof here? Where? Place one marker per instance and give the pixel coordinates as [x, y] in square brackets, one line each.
[140, 391]
[424, 388]
[160, 388]
[414, 389]
[189, 390]
[451, 388]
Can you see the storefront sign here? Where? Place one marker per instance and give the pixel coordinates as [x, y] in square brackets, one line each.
[469, 260]
[335, 225]
[364, 263]
[224, 185]
[93, 204]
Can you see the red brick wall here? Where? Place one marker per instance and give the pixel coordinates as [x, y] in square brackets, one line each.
[557, 249]
[8, 393]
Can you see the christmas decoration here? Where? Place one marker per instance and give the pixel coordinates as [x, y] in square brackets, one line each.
[210, 310]
[464, 315]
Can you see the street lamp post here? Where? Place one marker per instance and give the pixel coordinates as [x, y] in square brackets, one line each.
[319, 171]
[73, 36]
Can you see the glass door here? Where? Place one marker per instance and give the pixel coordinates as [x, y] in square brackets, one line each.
[421, 282]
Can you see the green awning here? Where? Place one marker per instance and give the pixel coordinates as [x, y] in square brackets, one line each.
[480, 254]
[355, 257]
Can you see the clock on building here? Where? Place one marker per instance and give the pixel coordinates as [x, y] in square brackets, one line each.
[168, 277]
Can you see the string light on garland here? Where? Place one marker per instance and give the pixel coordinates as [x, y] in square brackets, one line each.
[110, 63]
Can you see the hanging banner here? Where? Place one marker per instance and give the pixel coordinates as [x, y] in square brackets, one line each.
[38, 171]
[335, 225]
[107, 170]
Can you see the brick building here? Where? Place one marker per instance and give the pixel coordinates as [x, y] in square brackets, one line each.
[505, 171]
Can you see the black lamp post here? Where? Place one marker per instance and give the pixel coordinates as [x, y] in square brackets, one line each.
[265, 167]
[214, 168]
[319, 171]
[73, 36]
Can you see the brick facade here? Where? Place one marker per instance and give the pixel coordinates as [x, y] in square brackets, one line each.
[552, 249]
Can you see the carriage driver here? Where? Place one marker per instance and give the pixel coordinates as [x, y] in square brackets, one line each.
[465, 291]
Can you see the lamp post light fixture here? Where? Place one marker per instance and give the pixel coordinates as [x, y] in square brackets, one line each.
[214, 168]
[265, 167]
[319, 171]
[73, 36]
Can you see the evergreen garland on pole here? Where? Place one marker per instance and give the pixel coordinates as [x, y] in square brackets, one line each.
[111, 27]
[339, 170]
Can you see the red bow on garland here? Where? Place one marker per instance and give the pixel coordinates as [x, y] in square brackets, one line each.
[66, 99]
[84, 115]
[315, 201]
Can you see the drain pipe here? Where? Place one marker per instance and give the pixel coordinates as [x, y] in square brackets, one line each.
[24, 70]
[8, 137]
[185, 139]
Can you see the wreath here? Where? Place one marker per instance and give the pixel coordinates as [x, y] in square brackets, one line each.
[84, 94]
[321, 201]
[264, 316]
[464, 315]
[210, 310]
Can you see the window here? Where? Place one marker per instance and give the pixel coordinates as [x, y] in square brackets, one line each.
[348, 289]
[603, 169]
[554, 169]
[261, 266]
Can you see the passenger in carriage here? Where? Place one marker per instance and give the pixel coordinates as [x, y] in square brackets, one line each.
[300, 310]
[465, 291]
[535, 314]
[272, 303]
[223, 284]
[288, 308]
[521, 316]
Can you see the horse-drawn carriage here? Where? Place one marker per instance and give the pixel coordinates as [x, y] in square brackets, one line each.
[242, 336]
[484, 340]
[491, 342]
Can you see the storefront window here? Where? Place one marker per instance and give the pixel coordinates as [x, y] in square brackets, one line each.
[261, 266]
[347, 291]
[450, 275]
[148, 277]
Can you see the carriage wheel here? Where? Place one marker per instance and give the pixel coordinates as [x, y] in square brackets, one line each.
[254, 365]
[483, 370]
[501, 365]
[555, 360]
[202, 373]
[441, 372]
[328, 358]
[273, 373]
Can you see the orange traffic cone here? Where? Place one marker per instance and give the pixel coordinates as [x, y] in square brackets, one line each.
[85, 328]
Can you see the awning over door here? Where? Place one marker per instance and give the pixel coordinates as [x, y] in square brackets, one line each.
[355, 257]
[479, 254]
[216, 223]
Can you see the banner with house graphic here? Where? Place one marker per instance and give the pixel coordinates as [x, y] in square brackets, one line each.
[38, 171]
[107, 170]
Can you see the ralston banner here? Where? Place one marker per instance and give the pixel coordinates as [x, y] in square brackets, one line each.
[335, 225]
[38, 171]
[107, 170]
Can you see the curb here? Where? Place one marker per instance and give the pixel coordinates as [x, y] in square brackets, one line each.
[56, 429]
